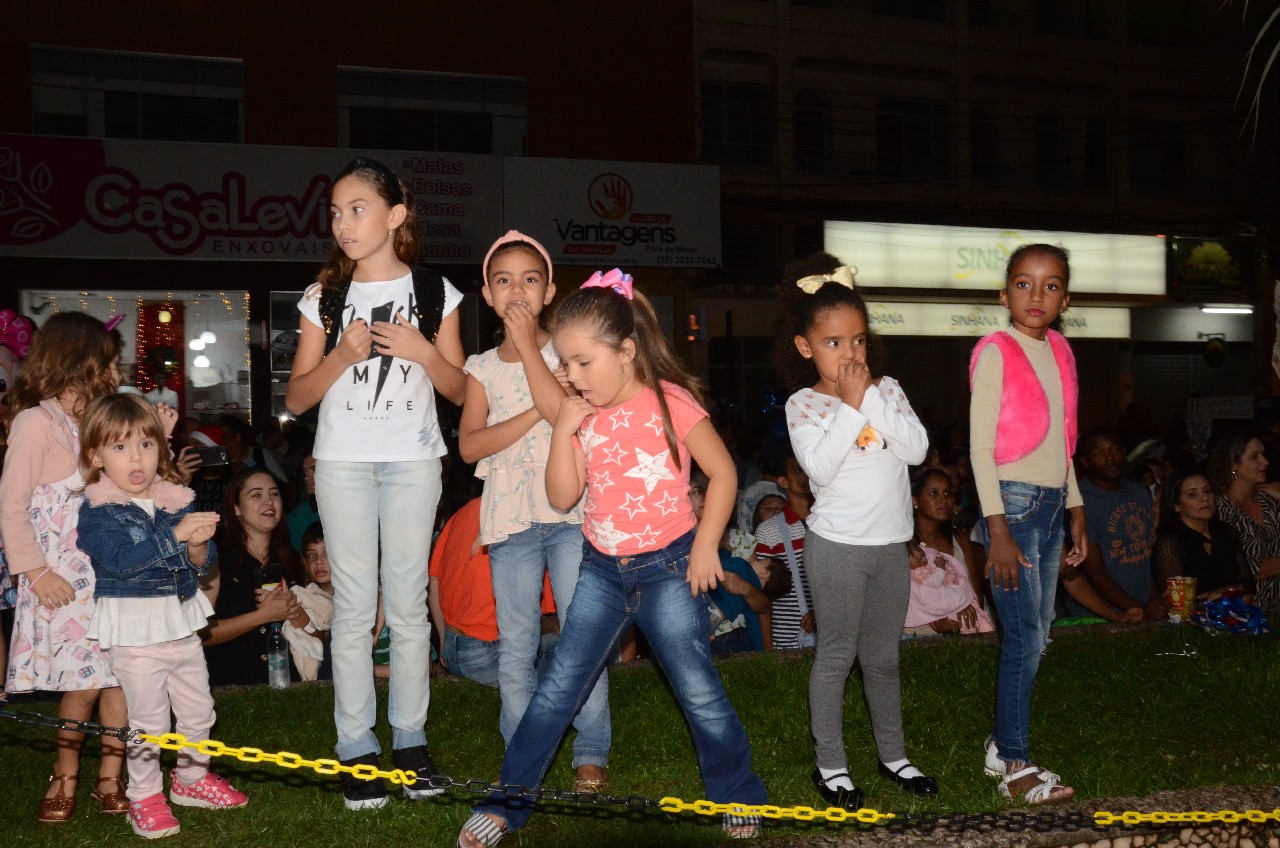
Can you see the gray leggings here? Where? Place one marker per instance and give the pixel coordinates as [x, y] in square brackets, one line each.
[860, 602]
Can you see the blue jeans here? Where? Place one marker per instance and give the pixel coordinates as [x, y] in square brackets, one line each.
[366, 506]
[650, 590]
[517, 565]
[1034, 515]
[469, 657]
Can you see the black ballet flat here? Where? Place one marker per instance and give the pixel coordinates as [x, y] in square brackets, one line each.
[847, 799]
[918, 785]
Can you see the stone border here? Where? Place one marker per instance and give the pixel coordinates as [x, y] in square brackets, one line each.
[1208, 798]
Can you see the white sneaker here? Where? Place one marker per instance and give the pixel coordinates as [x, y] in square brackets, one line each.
[992, 765]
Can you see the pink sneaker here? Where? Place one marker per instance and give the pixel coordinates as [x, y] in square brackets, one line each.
[151, 817]
[209, 791]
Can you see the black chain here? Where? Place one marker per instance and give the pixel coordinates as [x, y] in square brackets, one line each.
[33, 719]
[1042, 821]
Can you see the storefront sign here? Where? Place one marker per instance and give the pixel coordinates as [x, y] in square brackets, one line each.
[935, 257]
[113, 198]
[106, 198]
[606, 214]
[962, 319]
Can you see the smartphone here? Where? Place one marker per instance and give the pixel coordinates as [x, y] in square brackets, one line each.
[216, 455]
[270, 575]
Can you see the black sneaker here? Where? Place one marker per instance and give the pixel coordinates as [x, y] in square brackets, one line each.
[417, 760]
[358, 794]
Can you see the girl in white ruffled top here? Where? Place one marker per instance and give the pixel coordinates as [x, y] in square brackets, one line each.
[513, 393]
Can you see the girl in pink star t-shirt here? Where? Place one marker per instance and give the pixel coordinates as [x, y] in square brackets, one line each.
[626, 438]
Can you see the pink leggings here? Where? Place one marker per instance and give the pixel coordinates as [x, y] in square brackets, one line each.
[157, 679]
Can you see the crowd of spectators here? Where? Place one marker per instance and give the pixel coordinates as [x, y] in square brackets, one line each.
[1153, 513]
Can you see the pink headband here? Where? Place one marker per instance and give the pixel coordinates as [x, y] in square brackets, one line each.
[511, 237]
[615, 279]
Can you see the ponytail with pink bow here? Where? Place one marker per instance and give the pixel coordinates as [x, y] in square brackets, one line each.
[615, 279]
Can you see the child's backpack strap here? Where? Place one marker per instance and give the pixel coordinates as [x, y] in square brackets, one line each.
[332, 301]
[427, 306]
[428, 301]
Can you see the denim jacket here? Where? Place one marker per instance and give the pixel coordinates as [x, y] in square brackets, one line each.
[133, 554]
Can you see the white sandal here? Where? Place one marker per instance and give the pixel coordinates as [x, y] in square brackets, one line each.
[483, 829]
[992, 765]
[1042, 792]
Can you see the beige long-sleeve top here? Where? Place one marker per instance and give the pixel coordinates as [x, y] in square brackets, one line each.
[41, 449]
[1048, 465]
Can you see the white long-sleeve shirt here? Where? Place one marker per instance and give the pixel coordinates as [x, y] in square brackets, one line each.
[857, 462]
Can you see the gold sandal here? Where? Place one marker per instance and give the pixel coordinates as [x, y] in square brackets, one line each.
[591, 784]
[61, 806]
[114, 802]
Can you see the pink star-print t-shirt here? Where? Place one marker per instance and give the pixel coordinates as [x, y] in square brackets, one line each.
[637, 499]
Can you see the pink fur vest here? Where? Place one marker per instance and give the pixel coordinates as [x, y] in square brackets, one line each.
[1024, 406]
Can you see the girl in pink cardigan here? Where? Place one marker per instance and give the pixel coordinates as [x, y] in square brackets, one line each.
[1022, 423]
[72, 361]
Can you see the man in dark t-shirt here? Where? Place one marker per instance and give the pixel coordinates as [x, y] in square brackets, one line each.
[1121, 526]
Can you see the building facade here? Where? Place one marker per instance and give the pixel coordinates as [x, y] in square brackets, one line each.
[181, 153]
[1054, 116]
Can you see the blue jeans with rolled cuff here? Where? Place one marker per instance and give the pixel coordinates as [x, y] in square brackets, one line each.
[612, 592]
[517, 564]
[1035, 518]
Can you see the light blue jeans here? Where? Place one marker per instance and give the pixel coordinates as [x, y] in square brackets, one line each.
[649, 589]
[1034, 515]
[469, 657]
[517, 565]
[364, 506]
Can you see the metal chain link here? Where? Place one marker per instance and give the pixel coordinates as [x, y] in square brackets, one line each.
[953, 822]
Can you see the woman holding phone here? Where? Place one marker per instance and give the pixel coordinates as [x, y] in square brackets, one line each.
[250, 588]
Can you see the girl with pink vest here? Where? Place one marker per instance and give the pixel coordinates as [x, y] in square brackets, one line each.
[1022, 422]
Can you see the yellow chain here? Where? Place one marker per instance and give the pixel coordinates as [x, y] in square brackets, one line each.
[284, 759]
[1103, 818]
[772, 811]
[289, 760]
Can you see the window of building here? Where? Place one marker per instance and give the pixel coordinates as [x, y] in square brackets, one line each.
[812, 132]
[408, 110]
[808, 239]
[737, 124]
[1049, 164]
[105, 94]
[984, 153]
[981, 13]
[912, 141]
[1157, 157]
[1161, 22]
[931, 10]
[1095, 153]
[1079, 18]
[750, 253]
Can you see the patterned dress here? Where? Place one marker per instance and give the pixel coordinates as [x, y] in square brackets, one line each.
[1257, 541]
[8, 595]
[49, 650]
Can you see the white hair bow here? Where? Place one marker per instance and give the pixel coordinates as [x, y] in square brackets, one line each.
[844, 275]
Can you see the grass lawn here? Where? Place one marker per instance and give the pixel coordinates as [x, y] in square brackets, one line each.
[1115, 713]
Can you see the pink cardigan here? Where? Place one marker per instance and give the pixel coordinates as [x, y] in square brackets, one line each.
[1024, 406]
[41, 449]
